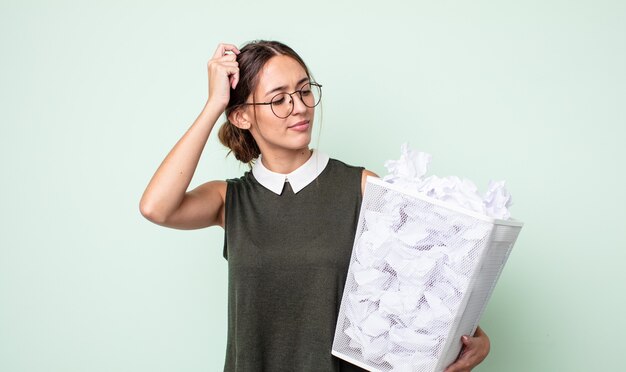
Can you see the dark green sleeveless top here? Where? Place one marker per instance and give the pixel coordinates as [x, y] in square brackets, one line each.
[288, 258]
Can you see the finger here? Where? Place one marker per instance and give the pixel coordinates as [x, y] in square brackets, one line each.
[459, 366]
[235, 79]
[466, 340]
[455, 367]
[467, 358]
[233, 76]
[470, 345]
[227, 58]
[223, 48]
[227, 68]
[464, 363]
[228, 64]
[235, 49]
[468, 355]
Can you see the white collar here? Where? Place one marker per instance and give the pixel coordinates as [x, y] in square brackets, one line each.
[298, 179]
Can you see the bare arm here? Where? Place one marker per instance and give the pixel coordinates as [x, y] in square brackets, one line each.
[166, 201]
[364, 179]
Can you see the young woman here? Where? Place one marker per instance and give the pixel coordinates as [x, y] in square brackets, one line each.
[289, 223]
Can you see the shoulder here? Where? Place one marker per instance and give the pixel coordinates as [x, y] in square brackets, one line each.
[359, 171]
[364, 176]
[240, 182]
[366, 173]
[340, 164]
[343, 172]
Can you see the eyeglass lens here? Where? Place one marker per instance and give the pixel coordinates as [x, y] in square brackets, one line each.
[282, 103]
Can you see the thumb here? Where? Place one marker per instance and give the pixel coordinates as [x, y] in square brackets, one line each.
[468, 343]
[467, 340]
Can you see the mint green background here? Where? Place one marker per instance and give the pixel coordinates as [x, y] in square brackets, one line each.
[93, 96]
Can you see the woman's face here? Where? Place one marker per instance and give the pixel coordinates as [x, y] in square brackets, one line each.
[281, 74]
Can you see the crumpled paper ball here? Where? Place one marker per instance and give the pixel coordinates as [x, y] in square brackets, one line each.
[409, 172]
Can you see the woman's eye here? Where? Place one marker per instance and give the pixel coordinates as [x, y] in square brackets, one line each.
[305, 92]
[278, 101]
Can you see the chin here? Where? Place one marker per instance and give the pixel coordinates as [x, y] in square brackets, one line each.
[301, 139]
[301, 145]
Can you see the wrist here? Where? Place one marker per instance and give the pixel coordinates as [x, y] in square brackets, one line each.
[213, 108]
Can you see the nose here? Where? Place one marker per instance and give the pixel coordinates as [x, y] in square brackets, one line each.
[298, 105]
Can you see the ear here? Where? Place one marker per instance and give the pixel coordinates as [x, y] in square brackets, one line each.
[239, 118]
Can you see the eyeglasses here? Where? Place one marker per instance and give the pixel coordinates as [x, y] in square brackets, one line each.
[282, 104]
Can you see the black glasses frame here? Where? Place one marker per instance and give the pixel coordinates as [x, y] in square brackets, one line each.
[299, 91]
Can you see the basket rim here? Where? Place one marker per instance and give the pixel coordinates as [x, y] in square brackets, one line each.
[495, 221]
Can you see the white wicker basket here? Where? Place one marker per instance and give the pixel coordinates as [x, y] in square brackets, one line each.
[420, 276]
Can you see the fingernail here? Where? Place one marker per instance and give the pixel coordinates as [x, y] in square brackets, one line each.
[465, 338]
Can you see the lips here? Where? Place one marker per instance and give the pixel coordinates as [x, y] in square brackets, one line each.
[300, 126]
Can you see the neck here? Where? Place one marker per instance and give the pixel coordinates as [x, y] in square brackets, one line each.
[285, 161]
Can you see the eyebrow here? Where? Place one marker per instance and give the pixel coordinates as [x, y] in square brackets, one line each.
[282, 87]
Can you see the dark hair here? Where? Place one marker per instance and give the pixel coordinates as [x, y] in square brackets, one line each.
[254, 55]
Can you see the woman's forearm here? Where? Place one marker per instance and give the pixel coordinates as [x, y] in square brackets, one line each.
[168, 185]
